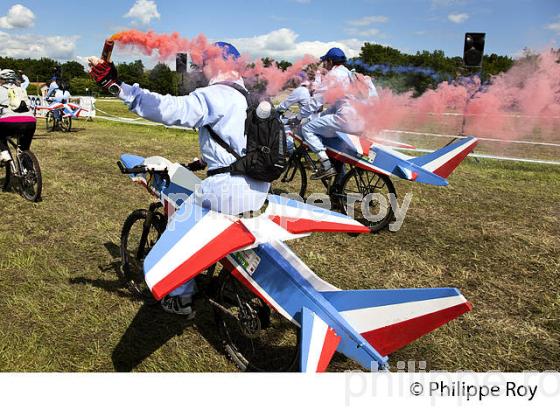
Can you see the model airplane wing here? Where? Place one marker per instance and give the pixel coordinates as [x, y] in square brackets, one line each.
[318, 343]
[444, 161]
[297, 217]
[392, 318]
[195, 239]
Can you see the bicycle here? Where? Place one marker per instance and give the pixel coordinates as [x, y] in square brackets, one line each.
[23, 173]
[254, 336]
[355, 181]
[58, 119]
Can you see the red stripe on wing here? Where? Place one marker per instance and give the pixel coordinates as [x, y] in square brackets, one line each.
[231, 239]
[301, 225]
[329, 348]
[390, 338]
[446, 169]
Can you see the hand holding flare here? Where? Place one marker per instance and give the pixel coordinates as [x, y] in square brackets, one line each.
[103, 71]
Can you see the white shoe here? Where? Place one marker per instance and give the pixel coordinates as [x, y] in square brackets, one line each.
[5, 157]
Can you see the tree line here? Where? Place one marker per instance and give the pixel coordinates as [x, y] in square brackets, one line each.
[390, 67]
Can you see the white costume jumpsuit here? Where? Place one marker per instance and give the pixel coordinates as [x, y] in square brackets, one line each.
[224, 109]
[301, 97]
[340, 117]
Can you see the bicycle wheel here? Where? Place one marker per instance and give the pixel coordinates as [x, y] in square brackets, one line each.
[31, 180]
[293, 180]
[7, 178]
[359, 184]
[50, 121]
[136, 243]
[255, 337]
[66, 124]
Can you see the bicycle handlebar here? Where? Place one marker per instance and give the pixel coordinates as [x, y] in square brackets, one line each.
[139, 169]
[195, 165]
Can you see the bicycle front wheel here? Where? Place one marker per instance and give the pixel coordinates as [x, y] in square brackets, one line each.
[136, 242]
[31, 180]
[66, 124]
[255, 337]
[365, 196]
[50, 121]
[7, 177]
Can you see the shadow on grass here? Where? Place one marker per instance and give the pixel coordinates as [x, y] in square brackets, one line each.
[151, 327]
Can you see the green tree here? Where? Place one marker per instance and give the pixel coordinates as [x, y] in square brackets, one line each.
[162, 80]
[283, 65]
[72, 69]
[132, 73]
[83, 86]
[267, 61]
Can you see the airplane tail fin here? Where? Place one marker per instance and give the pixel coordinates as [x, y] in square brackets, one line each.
[318, 343]
[444, 161]
[390, 319]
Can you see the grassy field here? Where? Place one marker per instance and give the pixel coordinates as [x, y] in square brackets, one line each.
[493, 233]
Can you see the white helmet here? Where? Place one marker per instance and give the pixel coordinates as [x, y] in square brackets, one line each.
[8, 76]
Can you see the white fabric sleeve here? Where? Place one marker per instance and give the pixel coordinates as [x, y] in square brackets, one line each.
[188, 111]
[25, 82]
[292, 99]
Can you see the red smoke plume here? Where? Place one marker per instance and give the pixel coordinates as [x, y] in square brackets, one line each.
[529, 92]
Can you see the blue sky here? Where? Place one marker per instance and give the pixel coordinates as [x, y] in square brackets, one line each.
[281, 28]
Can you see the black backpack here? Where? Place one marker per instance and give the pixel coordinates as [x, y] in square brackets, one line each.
[266, 152]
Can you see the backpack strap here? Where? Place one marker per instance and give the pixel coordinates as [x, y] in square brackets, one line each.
[219, 139]
[221, 142]
[236, 87]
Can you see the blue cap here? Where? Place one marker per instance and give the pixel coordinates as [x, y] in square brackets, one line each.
[228, 50]
[335, 54]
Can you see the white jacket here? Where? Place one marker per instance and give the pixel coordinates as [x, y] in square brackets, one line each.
[224, 109]
[300, 96]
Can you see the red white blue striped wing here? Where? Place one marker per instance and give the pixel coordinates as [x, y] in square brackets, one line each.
[391, 319]
[444, 161]
[195, 239]
[318, 343]
[298, 218]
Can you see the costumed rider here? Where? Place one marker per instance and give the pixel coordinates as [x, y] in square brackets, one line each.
[16, 119]
[217, 105]
[57, 94]
[300, 97]
[340, 116]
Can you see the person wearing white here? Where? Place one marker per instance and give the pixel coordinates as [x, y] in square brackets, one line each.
[18, 122]
[339, 117]
[224, 109]
[301, 97]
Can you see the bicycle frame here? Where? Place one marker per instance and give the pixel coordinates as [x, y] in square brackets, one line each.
[14, 163]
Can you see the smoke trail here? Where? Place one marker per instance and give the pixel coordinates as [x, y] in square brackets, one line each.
[530, 89]
[210, 57]
[385, 69]
[523, 102]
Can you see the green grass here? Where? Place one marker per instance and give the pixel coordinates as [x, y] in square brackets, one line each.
[493, 233]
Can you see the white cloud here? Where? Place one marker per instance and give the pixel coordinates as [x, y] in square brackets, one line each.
[18, 17]
[447, 3]
[555, 26]
[32, 46]
[370, 32]
[282, 44]
[143, 11]
[367, 20]
[458, 18]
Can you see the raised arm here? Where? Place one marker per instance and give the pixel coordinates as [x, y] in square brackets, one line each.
[25, 82]
[188, 111]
